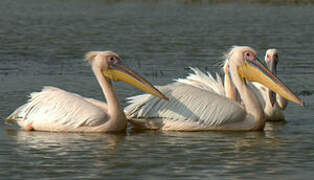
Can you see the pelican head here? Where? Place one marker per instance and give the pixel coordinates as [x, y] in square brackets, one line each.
[110, 65]
[272, 59]
[247, 65]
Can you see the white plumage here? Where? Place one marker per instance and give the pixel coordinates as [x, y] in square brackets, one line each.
[204, 81]
[180, 113]
[62, 109]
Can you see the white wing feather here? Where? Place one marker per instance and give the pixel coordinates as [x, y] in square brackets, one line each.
[188, 105]
[204, 81]
[57, 107]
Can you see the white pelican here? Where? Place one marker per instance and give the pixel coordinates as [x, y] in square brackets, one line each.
[195, 109]
[54, 109]
[273, 104]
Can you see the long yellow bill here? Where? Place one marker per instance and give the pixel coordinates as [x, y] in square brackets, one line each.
[119, 72]
[257, 72]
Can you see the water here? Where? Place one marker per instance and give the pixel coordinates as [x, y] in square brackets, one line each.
[43, 43]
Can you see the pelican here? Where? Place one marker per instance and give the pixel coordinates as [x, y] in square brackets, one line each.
[192, 108]
[57, 110]
[273, 104]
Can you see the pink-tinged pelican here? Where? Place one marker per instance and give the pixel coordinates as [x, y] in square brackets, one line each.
[273, 103]
[57, 110]
[194, 108]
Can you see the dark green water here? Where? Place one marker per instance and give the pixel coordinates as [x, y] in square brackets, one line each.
[43, 43]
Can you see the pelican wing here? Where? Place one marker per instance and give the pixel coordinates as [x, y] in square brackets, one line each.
[188, 106]
[204, 81]
[56, 107]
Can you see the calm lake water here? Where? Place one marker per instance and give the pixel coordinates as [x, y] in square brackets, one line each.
[43, 43]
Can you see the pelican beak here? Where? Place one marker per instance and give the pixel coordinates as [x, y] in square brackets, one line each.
[272, 66]
[119, 72]
[255, 71]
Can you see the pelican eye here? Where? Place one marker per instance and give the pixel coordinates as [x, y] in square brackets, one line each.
[112, 60]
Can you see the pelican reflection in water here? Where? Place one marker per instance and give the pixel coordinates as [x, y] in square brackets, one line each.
[54, 109]
[194, 109]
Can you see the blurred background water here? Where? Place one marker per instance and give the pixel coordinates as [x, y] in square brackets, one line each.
[42, 43]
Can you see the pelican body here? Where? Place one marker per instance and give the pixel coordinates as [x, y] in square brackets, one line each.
[193, 107]
[57, 110]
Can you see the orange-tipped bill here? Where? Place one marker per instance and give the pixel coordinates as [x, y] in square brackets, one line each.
[255, 71]
[119, 72]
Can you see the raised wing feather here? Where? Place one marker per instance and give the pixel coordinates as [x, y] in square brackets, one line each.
[57, 107]
[188, 104]
[204, 81]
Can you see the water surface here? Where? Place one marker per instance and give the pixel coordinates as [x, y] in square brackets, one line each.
[42, 43]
